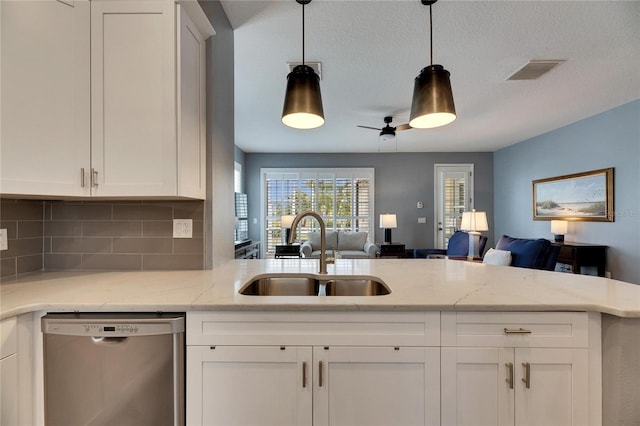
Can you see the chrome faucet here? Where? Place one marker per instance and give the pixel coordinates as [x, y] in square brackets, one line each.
[323, 236]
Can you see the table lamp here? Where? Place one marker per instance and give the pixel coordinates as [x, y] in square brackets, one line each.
[559, 228]
[473, 222]
[388, 222]
[286, 221]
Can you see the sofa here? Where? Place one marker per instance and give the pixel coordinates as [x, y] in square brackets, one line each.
[529, 253]
[347, 245]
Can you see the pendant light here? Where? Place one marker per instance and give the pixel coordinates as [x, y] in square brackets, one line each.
[432, 104]
[302, 101]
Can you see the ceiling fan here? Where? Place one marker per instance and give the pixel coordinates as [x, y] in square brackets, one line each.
[388, 132]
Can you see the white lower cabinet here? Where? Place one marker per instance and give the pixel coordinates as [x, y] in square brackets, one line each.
[521, 386]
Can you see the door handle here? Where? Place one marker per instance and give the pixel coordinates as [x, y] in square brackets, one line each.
[527, 375]
[304, 374]
[509, 379]
[320, 373]
[94, 177]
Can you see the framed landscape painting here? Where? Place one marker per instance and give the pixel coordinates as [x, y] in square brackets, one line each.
[584, 196]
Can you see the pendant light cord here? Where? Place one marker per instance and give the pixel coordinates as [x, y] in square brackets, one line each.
[302, 33]
[430, 35]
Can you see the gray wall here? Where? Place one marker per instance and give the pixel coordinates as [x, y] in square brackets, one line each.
[609, 139]
[220, 137]
[401, 180]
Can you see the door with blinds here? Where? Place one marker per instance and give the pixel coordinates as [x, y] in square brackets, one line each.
[453, 196]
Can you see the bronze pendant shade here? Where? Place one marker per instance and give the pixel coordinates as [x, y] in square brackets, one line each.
[303, 101]
[432, 104]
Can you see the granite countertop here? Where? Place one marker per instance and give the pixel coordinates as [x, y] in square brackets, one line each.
[416, 285]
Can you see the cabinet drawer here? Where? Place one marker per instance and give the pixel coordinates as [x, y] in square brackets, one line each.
[319, 328]
[515, 329]
[8, 337]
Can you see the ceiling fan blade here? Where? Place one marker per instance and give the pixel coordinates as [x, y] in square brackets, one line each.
[367, 127]
[403, 126]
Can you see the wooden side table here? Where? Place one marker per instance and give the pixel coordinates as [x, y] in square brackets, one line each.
[390, 250]
[580, 254]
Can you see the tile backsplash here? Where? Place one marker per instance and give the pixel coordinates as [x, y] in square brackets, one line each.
[100, 235]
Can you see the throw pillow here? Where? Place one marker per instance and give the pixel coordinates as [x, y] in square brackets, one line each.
[352, 240]
[497, 257]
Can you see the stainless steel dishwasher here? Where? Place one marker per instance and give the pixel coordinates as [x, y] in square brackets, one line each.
[114, 369]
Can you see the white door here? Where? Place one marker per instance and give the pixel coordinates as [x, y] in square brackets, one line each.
[556, 392]
[133, 99]
[453, 196]
[249, 385]
[376, 386]
[45, 96]
[477, 386]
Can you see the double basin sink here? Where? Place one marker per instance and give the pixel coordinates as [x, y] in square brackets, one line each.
[314, 285]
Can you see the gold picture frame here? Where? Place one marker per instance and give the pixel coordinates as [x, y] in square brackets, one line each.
[586, 196]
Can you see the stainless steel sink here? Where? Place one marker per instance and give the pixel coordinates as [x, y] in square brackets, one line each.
[295, 285]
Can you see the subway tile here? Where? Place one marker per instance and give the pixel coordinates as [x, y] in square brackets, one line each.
[22, 247]
[62, 261]
[157, 228]
[21, 210]
[12, 228]
[142, 245]
[29, 263]
[30, 228]
[188, 210]
[73, 211]
[143, 212]
[8, 267]
[112, 262]
[80, 245]
[63, 228]
[46, 246]
[172, 261]
[121, 228]
[198, 228]
[188, 245]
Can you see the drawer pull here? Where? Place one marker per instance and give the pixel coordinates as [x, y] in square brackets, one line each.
[516, 331]
[527, 375]
[509, 379]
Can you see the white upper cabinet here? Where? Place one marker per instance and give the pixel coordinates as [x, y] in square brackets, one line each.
[45, 96]
[136, 130]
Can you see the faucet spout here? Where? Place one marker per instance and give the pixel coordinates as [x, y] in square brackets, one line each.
[323, 236]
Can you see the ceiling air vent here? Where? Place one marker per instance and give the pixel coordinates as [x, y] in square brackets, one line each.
[534, 69]
[317, 67]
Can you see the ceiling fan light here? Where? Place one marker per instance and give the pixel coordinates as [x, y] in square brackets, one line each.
[303, 101]
[432, 104]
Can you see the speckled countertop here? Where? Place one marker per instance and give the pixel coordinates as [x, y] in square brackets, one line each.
[416, 285]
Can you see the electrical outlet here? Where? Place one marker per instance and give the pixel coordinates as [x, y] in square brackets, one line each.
[607, 274]
[422, 220]
[4, 243]
[182, 228]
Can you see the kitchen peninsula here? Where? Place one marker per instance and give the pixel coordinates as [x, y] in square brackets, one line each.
[440, 316]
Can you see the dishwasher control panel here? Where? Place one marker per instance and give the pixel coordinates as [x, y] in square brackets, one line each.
[116, 325]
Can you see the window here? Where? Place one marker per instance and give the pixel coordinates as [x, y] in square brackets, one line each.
[237, 177]
[343, 197]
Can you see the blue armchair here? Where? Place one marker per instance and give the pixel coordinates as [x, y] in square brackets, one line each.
[458, 246]
[530, 253]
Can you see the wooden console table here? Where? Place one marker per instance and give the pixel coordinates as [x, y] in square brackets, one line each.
[581, 254]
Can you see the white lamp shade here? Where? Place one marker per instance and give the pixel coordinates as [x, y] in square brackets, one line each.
[474, 221]
[287, 221]
[388, 221]
[559, 227]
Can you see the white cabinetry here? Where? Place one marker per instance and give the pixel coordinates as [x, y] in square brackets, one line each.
[517, 369]
[145, 133]
[351, 368]
[8, 372]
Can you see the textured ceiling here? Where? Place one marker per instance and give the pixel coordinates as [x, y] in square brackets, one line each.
[372, 50]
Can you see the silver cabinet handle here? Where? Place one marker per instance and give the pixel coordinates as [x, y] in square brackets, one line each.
[509, 379]
[304, 374]
[94, 177]
[82, 177]
[527, 375]
[320, 373]
[516, 331]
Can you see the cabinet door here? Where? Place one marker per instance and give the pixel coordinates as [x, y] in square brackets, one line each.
[9, 390]
[133, 98]
[191, 113]
[558, 392]
[45, 95]
[376, 386]
[477, 386]
[249, 385]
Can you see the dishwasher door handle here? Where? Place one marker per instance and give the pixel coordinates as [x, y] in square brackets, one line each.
[108, 340]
